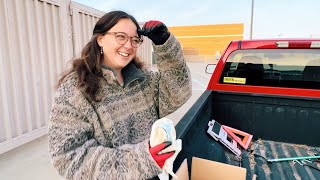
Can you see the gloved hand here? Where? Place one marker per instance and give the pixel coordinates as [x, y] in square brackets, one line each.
[156, 31]
[160, 158]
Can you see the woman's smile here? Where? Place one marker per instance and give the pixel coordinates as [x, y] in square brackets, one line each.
[124, 54]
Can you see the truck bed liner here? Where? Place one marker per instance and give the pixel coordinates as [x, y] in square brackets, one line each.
[255, 161]
[266, 145]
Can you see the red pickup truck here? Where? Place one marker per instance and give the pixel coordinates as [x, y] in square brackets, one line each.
[270, 89]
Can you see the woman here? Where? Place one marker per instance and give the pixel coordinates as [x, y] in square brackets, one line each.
[106, 104]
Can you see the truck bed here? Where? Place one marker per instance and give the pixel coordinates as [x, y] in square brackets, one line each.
[281, 127]
[255, 161]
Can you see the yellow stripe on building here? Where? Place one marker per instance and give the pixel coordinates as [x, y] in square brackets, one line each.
[201, 43]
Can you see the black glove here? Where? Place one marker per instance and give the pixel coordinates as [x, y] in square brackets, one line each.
[156, 31]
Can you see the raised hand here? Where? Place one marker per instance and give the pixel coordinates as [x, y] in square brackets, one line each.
[156, 31]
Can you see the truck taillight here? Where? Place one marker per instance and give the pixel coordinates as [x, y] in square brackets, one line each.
[298, 44]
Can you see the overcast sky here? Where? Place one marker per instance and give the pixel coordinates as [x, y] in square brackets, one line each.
[272, 18]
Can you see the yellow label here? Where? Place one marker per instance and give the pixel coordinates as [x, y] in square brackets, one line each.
[234, 80]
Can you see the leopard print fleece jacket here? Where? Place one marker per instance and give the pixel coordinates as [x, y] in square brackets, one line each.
[109, 139]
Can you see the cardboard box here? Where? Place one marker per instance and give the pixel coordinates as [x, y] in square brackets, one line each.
[202, 169]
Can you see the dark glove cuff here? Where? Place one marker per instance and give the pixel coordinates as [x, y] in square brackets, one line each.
[161, 39]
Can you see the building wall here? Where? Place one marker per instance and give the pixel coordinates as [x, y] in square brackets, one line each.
[35, 46]
[38, 38]
[202, 43]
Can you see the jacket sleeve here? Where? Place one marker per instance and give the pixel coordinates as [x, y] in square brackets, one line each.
[76, 153]
[173, 81]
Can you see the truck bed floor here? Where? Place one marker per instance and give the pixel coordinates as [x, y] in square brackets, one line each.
[255, 161]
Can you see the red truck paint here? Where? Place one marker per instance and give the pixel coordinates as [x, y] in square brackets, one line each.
[260, 44]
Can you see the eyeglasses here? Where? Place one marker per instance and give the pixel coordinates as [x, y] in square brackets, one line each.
[122, 39]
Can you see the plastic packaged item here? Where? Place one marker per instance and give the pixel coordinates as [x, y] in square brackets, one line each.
[163, 130]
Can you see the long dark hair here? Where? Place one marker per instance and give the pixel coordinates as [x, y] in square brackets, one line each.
[88, 65]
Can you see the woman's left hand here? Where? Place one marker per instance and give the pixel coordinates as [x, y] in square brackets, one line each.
[156, 31]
